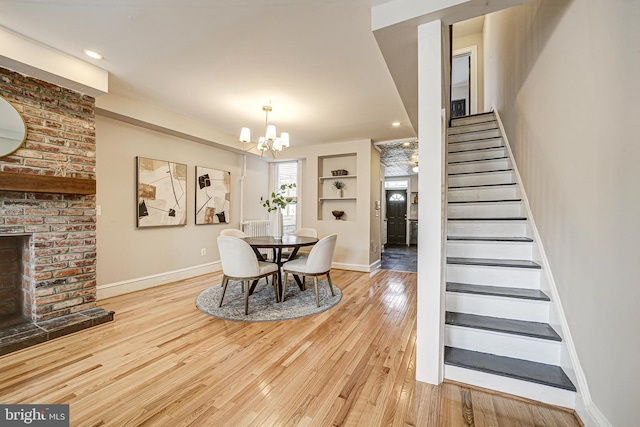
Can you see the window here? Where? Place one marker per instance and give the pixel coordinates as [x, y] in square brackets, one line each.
[396, 198]
[287, 173]
[396, 184]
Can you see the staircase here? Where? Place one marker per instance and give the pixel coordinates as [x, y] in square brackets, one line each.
[497, 332]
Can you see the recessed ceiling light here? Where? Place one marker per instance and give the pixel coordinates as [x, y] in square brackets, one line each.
[395, 124]
[92, 54]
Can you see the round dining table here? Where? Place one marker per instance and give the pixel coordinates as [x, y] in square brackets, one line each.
[277, 245]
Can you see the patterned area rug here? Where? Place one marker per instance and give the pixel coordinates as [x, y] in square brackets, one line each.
[262, 303]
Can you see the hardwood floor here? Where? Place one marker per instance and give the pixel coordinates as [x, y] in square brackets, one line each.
[162, 362]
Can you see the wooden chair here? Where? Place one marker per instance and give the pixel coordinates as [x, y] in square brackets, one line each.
[239, 263]
[318, 263]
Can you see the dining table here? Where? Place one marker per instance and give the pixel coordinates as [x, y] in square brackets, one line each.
[277, 245]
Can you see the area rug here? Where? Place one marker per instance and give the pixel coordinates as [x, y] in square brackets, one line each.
[262, 303]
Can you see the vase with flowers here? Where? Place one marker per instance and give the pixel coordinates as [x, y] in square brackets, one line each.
[339, 186]
[274, 204]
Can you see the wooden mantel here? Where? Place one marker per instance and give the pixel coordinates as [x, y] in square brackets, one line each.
[10, 181]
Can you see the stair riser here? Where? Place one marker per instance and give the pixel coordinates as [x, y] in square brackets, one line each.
[493, 306]
[463, 121]
[495, 193]
[525, 278]
[495, 250]
[488, 165]
[474, 145]
[477, 155]
[541, 393]
[481, 179]
[484, 210]
[475, 135]
[487, 228]
[473, 127]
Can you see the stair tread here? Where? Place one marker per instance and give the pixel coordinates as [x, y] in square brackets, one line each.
[506, 218]
[470, 116]
[480, 172]
[485, 201]
[499, 291]
[475, 149]
[478, 160]
[507, 326]
[491, 262]
[473, 140]
[480, 185]
[491, 239]
[535, 372]
[470, 132]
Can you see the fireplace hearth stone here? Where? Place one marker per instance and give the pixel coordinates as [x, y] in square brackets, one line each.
[17, 333]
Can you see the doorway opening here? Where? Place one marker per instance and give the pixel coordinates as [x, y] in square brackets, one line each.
[464, 82]
[396, 216]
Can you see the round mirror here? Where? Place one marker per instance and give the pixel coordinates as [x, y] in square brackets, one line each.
[13, 131]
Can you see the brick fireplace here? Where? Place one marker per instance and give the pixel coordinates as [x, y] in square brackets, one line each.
[47, 216]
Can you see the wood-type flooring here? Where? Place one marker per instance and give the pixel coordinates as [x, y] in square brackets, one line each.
[162, 362]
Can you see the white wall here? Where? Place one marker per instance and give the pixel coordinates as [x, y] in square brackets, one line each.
[256, 185]
[375, 215]
[130, 258]
[352, 248]
[563, 76]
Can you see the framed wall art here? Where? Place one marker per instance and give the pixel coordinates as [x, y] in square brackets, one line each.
[162, 192]
[213, 193]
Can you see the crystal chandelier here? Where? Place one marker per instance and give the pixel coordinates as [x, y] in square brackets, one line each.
[269, 141]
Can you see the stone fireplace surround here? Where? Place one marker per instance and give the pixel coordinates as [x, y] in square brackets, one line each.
[47, 216]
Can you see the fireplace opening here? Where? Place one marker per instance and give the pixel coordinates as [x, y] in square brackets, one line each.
[33, 310]
[14, 298]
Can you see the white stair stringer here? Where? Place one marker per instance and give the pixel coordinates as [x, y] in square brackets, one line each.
[487, 226]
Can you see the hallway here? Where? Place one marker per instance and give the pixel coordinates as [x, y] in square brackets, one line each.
[400, 258]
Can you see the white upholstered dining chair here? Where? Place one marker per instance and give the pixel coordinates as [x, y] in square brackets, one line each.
[234, 232]
[304, 250]
[239, 263]
[318, 263]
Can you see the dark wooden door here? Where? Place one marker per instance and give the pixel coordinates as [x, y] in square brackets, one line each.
[397, 216]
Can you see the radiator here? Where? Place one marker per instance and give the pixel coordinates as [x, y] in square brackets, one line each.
[257, 228]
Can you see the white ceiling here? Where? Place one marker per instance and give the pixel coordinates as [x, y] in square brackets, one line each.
[220, 61]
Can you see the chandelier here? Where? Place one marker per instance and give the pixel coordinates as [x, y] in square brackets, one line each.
[269, 141]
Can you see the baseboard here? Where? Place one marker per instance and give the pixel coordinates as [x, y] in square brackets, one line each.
[375, 265]
[591, 416]
[126, 286]
[352, 267]
[586, 409]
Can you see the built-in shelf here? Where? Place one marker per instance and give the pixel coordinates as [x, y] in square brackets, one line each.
[323, 199]
[10, 181]
[328, 198]
[337, 178]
